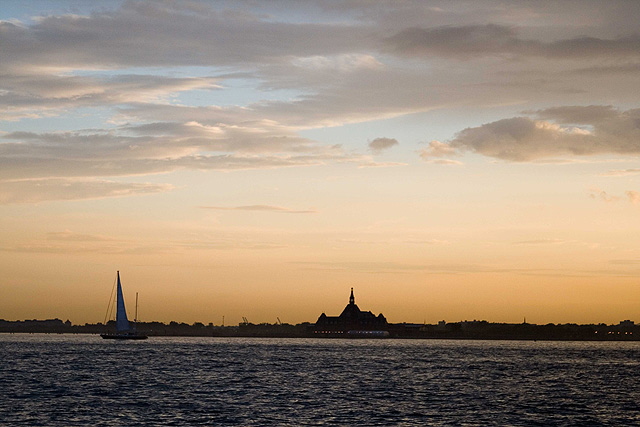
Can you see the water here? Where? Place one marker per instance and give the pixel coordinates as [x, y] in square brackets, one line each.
[73, 380]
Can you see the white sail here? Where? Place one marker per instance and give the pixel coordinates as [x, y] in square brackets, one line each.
[122, 323]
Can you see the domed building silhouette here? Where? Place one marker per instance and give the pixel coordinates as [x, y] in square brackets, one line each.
[352, 321]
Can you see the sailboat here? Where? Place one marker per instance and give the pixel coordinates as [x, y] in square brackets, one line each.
[124, 331]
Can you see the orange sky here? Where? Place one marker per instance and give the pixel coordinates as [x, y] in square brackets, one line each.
[449, 161]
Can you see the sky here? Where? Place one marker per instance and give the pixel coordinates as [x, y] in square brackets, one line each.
[448, 160]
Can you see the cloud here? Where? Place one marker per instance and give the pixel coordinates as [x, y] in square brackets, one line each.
[625, 261]
[373, 164]
[581, 115]
[446, 162]
[387, 241]
[470, 41]
[623, 172]
[45, 190]
[437, 149]
[574, 131]
[521, 139]
[336, 65]
[392, 267]
[70, 236]
[454, 41]
[633, 196]
[159, 147]
[143, 34]
[541, 242]
[78, 243]
[142, 63]
[343, 63]
[378, 145]
[261, 208]
[60, 62]
[338, 70]
[38, 95]
[364, 266]
[41, 168]
[599, 194]
[608, 70]
[103, 247]
[162, 140]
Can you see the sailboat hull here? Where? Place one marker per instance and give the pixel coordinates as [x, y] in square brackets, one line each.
[124, 336]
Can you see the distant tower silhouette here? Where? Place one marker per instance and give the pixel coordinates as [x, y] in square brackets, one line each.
[351, 319]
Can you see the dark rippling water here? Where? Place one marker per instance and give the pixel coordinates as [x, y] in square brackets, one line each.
[65, 380]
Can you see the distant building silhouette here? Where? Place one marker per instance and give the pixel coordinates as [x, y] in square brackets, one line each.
[351, 319]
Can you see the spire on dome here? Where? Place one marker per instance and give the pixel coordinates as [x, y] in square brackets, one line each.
[352, 299]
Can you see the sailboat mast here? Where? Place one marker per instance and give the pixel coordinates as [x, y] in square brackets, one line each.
[135, 319]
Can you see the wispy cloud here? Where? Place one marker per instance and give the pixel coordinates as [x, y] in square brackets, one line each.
[72, 242]
[625, 261]
[395, 241]
[447, 162]
[261, 208]
[464, 269]
[632, 196]
[374, 164]
[438, 149]
[157, 148]
[598, 194]
[621, 172]
[46, 190]
[541, 242]
[70, 236]
[399, 267]
[79, 246]
[39, 95]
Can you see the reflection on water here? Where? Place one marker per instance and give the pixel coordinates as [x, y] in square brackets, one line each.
[84, 380]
